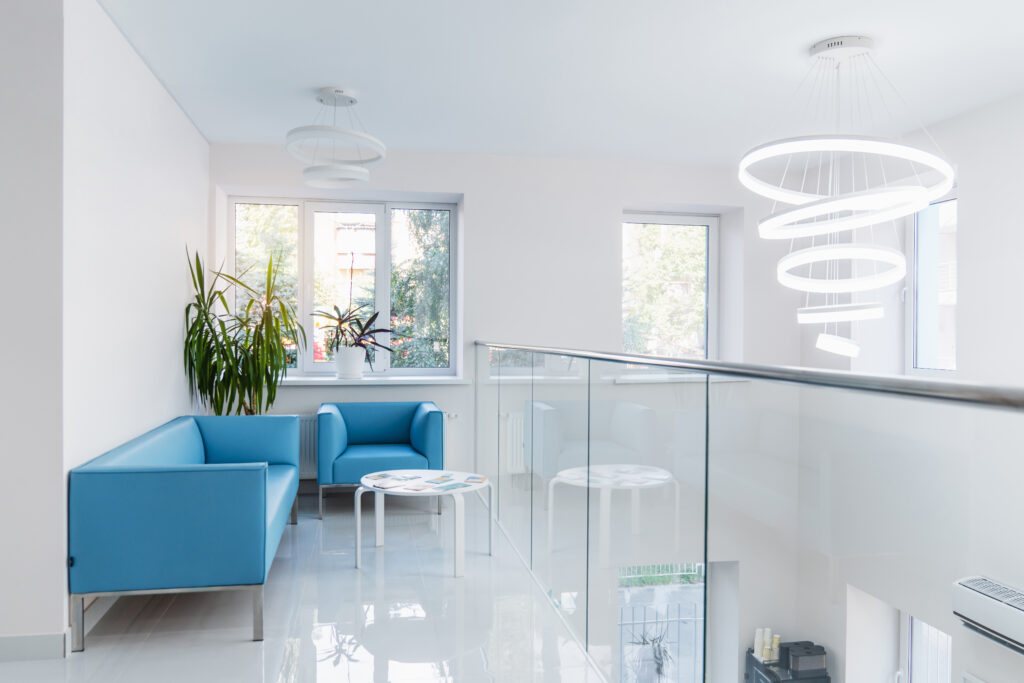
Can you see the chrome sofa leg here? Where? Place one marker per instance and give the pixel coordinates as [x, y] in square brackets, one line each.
[321, 494]
[295, 510]
[257, 613]
[77, 623]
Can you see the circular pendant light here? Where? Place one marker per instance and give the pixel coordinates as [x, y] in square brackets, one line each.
[842, 189]
[337, 156]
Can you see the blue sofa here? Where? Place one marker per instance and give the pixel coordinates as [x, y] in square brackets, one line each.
[355, 439]
[199, 503]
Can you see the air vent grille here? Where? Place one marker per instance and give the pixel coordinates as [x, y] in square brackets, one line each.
[996, 591]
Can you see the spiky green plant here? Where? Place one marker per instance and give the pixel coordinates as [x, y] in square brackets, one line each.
[235, 361]
[349, 329]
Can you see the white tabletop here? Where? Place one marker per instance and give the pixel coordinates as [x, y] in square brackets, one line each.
[454, 482]
[615, 476]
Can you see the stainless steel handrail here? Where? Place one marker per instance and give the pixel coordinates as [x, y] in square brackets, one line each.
[963, 392]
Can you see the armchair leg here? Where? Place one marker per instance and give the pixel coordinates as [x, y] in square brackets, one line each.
[77, 623]
[257, 613]
[295, 510]
[320, 490]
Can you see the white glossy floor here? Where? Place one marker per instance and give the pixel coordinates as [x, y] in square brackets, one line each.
[403, 617]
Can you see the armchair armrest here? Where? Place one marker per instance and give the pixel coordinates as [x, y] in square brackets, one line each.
[331, 441]
[427, 434]
[273, 439]
[166, 527]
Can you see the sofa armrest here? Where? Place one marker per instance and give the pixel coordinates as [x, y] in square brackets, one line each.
[331, 441]
[166, 527]
[272, 439]
[427, 434]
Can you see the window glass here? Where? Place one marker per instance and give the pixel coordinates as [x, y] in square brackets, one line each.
[344, 269]
[665, 289]
[935, 287]
[420, 288]
[263, 231]
[931, 654]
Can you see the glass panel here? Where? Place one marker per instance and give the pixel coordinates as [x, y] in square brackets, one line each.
[645, 620]
[514, 457]
[344, 265]
[262, 231]
[557, 427]
[420, 288]
[664, 289]
[815, 490]
[935, 314]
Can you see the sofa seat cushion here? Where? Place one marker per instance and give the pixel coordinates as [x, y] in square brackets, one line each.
[282, 485]
[357, 461]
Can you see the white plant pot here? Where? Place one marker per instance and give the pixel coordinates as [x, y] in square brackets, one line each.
[349, 362]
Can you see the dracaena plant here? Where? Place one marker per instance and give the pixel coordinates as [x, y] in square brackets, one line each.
[235, 361]
[348, 329]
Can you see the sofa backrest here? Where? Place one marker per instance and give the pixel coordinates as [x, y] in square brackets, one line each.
[176, 443]
[369, 423]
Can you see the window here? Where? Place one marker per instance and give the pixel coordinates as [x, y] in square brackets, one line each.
[931, 654]
[396, 258]
[668, 285]
[934, 297]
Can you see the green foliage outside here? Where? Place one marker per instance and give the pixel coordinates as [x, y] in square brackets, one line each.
[664, 289]
[420, 290]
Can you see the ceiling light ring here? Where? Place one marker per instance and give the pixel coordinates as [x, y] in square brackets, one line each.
[840, 346]
[335, 175]
[837, 144]
[332, 134]
[839, 313]
[894, 258]
[871, 207]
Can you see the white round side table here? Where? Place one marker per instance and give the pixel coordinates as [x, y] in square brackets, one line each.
[608, 478]
[417, 483]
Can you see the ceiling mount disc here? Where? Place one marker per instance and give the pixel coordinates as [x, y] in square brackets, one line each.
[336, 97]
[842, 47]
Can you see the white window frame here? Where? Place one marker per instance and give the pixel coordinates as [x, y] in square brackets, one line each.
[910, 298]
[382, 272]
[710, 221]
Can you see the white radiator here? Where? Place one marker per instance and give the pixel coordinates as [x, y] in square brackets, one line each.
[512, 442]
[307, 446]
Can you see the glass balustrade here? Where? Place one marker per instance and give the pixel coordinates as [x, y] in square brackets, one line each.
[644, 497]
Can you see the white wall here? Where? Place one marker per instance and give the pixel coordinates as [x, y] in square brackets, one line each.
[32, 569]
[136, 175]
[542, 253]
[105, 182]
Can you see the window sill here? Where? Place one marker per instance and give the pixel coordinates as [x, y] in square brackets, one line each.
[371, 380]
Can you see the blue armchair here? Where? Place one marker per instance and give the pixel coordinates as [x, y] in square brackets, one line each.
[355, 439]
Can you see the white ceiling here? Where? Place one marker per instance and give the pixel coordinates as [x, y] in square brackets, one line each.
[691, 81]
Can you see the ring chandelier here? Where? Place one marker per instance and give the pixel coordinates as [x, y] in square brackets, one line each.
[337, 156]
[843, 189]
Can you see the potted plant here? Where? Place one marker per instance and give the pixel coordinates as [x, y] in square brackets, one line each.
[350, 337]
[234, 361]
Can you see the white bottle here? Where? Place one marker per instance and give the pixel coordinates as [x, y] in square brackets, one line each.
[758, 642]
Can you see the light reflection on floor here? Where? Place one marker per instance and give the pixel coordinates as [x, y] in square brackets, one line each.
[402, 617]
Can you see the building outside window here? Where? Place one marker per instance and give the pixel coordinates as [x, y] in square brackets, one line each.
[935, 288]
[669, 285]
[396, 258]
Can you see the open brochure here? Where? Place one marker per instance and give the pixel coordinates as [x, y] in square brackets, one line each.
[407, 483]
